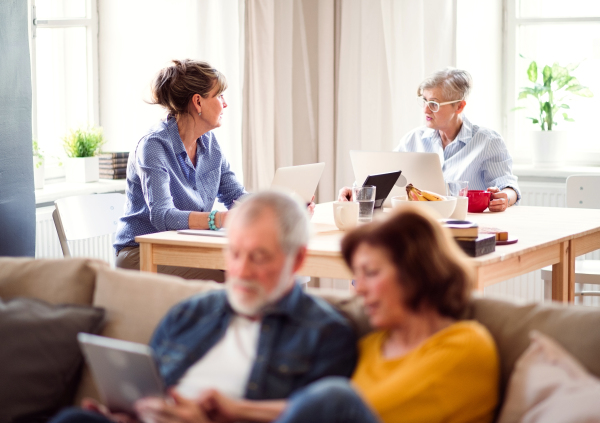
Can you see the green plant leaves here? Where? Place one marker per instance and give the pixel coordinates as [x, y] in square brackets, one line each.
[556, 87]
[83, 142]
[547, 75]
[580, 90]
[532, 72]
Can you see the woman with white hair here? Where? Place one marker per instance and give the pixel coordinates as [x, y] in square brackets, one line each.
[468, 152]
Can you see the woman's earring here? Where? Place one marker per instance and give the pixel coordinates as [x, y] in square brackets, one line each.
[200, 114]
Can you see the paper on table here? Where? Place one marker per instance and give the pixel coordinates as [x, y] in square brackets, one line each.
[203, 232]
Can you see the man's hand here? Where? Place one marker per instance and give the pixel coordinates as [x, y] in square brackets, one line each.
[499, 200]
[91, 404]
[345, 194]
[220, 408]
[172, 410]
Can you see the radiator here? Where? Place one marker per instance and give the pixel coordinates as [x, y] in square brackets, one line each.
[48, 246]
[530, 287]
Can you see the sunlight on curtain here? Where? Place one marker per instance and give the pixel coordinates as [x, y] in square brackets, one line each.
[139, 37]
[386, 49]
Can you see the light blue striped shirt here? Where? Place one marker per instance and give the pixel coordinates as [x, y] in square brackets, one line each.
[477, 155]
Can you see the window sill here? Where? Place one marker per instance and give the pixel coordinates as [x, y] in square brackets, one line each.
[557, 174]
[54, 190]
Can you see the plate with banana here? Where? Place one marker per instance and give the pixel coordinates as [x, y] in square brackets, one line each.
[440, 204]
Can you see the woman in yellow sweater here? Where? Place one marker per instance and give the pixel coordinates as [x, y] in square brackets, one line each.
[421, 364]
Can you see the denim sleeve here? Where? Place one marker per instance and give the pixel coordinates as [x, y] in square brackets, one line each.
[497, 168]
[230, 188]
[155, 175]
[337, 354]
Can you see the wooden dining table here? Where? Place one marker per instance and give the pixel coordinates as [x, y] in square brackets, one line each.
[546, 236]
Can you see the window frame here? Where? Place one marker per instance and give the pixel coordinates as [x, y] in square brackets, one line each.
[512, 23]
[91, 25]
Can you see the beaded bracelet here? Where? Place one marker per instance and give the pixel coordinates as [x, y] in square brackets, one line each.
[211, 221]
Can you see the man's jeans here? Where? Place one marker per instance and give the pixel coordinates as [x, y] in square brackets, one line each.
[329, 400]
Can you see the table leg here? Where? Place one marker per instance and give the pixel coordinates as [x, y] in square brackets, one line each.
[146, 263]
[563, 275]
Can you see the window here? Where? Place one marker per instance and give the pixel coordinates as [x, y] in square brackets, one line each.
[549, 31]
[64, 46]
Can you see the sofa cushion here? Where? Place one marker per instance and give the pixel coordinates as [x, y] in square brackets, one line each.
[573, 327]
[55, 281]
[135, 302]
[550, 385]
[41, 356]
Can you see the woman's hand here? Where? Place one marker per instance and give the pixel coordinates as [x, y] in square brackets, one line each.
[345, 194]
[311, 207]
[175, 409]
[91, 404]
[499, 200]
[220, 408]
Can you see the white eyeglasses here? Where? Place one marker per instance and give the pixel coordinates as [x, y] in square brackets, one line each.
[434, 106]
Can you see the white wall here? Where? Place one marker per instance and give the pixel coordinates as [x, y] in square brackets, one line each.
[139, 37]
[479, 51]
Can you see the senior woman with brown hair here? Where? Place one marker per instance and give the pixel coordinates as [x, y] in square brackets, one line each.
[421, 363]
[177, 170]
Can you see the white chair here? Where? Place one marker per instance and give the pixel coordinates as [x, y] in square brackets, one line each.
[86, 216]
[583, 191]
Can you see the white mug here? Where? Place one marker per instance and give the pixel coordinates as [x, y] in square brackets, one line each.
[345, 214]
[460, 211]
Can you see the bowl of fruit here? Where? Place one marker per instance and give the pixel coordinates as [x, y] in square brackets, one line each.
[440, 204]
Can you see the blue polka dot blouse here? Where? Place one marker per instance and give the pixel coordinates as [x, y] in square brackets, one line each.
[163, 186]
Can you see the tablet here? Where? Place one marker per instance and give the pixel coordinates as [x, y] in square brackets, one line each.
[384, 182]
[123, 371]
[301, 180]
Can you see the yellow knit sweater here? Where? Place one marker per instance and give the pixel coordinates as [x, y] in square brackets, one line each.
[451, 377]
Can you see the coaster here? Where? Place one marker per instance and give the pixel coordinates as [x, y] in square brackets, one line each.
[507, 242]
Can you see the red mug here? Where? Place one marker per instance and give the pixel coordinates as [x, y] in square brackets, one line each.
[478, 200]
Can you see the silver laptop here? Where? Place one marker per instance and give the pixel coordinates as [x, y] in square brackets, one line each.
[423, 170]
[123, 371]
[301, 180]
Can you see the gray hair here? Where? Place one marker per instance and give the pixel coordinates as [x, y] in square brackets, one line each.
[292, 217]
[455, 83]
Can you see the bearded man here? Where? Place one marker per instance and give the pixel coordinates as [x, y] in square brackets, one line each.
[260, 338]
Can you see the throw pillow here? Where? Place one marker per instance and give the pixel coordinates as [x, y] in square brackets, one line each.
[550, 385]
[40, 356]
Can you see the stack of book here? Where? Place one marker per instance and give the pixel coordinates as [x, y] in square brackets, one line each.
[113, 165]
[467, 236]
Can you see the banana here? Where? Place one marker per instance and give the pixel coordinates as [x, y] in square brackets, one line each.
[432, 196]
[415, 194]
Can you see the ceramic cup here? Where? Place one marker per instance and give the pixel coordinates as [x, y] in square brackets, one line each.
[478, 200]
[345, 214]
[460, 211]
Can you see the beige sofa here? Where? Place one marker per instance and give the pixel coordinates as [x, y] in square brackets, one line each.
[136, 301]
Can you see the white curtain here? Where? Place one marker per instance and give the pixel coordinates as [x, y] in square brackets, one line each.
[387, 47]
[325, 77]
[139, 37]
[289, 89]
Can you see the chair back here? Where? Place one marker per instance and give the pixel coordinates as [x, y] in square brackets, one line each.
[87, 216]
[583, 191]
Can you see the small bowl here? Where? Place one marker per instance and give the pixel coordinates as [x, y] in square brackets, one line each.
[443, 208]
[478, 200]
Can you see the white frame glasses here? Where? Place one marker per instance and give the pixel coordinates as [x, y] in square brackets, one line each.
[429, 103]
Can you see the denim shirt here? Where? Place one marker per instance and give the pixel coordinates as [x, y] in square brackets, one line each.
[302, 339]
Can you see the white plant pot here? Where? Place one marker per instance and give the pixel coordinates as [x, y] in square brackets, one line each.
[82, 170]
[549, 148]
[38, 173]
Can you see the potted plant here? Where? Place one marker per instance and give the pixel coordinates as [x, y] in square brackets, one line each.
[81, 146]
[552, 94]
[38, 166]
